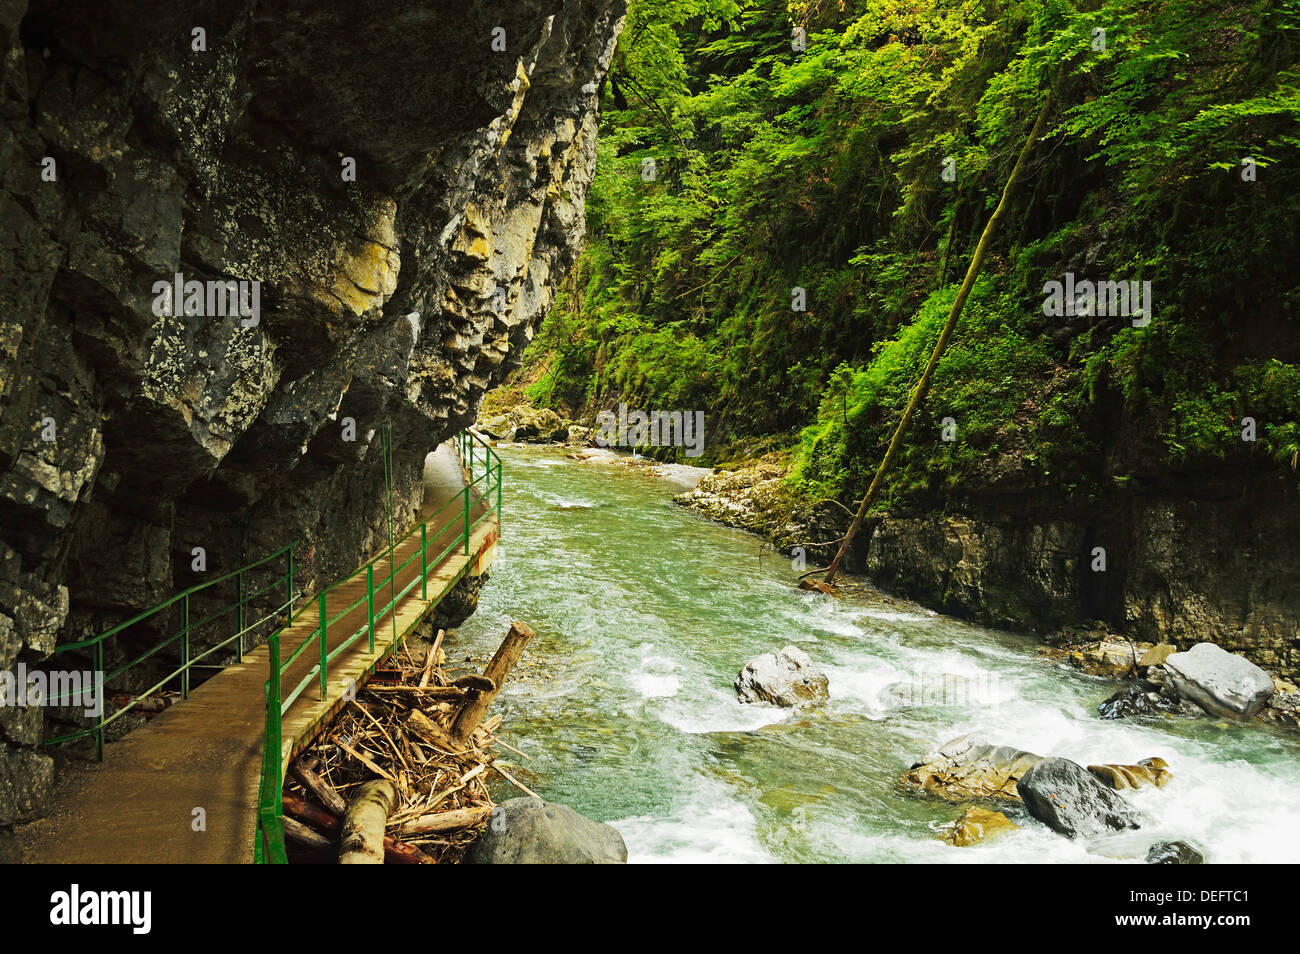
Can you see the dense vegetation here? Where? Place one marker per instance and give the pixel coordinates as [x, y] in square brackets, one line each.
[735, 169]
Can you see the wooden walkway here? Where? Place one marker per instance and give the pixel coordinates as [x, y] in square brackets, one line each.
[183, 788]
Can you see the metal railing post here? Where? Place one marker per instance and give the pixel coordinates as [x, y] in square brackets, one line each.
[424, 560]
[272, 741]
[98, 656]
[239, 615]
[466, 493]
[370, 603]
[324, 651]
[185, 647]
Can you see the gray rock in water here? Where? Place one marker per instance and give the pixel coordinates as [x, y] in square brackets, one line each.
[1220, 682]
[1066, 798]
[786, 678]
[529, 831]
[1137, 700]
[1174, 853]
[969, 767]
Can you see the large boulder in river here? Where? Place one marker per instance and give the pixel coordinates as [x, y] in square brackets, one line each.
[785, 678]
[529, 831]
[1222, 683]
[1066, 798]
[969, 767]
[537, 424]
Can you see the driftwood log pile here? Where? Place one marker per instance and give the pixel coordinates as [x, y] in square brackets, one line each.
[400, 776]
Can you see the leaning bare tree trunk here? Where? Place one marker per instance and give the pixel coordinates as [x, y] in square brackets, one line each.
[363, 824]
[511, 648]
[923, 385]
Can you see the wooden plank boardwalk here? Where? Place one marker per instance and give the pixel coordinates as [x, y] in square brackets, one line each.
[202, 758]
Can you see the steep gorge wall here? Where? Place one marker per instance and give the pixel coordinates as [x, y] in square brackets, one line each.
[1179, 567]
[401, 296]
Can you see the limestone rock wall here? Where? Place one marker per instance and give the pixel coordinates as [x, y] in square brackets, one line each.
[127, 155]
[1182, 568]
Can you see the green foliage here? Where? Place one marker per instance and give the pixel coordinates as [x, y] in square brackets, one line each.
[820, 170]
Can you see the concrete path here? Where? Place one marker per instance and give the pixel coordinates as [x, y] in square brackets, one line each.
[200, 760]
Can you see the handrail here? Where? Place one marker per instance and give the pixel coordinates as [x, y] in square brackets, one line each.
[96, 643]
[269, 846]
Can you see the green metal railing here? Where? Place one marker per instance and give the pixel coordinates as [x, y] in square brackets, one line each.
[482, 492]
[188, 627]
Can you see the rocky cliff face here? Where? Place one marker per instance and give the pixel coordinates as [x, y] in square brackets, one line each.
[1180, 568]
[405, 180]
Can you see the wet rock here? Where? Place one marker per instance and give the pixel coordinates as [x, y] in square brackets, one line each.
[529, 831]
[579, 434]
[1153, 771]
[969, 767]
[1141, 699]
[1174, 853]
[457, 605]
[498, 428]
[975, 825]
[750, 498]
[536, 424]
[786, 678]
[1220, 682]
[1067, 799]
[1156, 655]
[1284, 708]
[1112, 656]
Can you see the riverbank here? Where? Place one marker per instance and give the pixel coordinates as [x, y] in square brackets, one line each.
[945, 562]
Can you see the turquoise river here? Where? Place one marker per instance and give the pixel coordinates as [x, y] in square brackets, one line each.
[645, 613]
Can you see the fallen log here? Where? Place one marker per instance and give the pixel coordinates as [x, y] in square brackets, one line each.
[430, 660]
[362, 841]
[318, 787]
[453, 820]
[395, 852]
[450, 693]
[476, 706]
[431, 732]
[295, 830]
